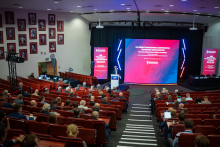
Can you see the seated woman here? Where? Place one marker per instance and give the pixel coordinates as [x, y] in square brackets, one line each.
[72, 131]
[52, 118]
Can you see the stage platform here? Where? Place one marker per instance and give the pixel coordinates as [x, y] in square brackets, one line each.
[121, 87]
[198, 88]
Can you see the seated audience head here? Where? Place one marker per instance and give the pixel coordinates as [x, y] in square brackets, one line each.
[68, 89]
[97, 104]
[52, 118]
[205, 98]
[117, 87]
[170, 109]
[176, 90]
[36, 91]
[185, 110]
[28, 95]
[105, 99]
[78, 85]
[92, 103]
[114, 96]
[58, 99]
[72, 93]
[181, 105]
[109, 91]
[120, 94]
[33, 103]
[2, 97]
[166, 91]
[173, 113]
[170, 97]
[183, 99]
[54, 102]
[187, 95]
[100, 93]
[176, 103]
[41, 98]
[95, 108]
[163, 90]
[98, 86]
[189, 124]
[61, 79]
[106, 86]
[72, 130]
[76, 112]
[103, 95]
[92, 98]
[17, 108]
[182, 116]
[95, 115]
[202, 141]
[83, 102]
[89, 95]
[60, 88]
[90, 91]
[92, 87]
[77, 88]
[5, 92]
[2, 116]
[99, 89]
[178, 93]
[67, 102]
[75, 105]
[84, 83]
[46, 107]
[19, 96]
[20, 84]
[159, 95]
[46, 90]
[30, 140]
[114, 88]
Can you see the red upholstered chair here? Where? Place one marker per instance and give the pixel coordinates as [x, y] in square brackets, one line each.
[64, 120]
[72, 142]
[202, 116]
[215, 105]
[19, 125]
[101, 132]
[205, 130]
[218, 131]
[176, 129]
[187, 140]
[84, 123]
[58, 130]
[38, 128]
[88, 135]
[214, 122]
[189, 116]
[212, 108]
[206, 105]
[27, 108]
[66, 113]
[214, 140]
[216, 115]
[197, 121]
[194, 105]
[42, 117]
[194, 112]
[85, 116]
[209, 112]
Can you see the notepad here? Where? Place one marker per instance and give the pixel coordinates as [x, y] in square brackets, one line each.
[167, 114]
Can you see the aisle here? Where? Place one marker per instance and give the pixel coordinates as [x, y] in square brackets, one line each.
[139, 130]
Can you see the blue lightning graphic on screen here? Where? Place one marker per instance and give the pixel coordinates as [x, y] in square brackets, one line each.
[119, 53]
[184, 57]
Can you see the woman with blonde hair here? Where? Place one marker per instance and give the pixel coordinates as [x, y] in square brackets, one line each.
[72, 131]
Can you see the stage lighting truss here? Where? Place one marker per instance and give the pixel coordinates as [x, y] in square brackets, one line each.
[119, 53]
[184, 58]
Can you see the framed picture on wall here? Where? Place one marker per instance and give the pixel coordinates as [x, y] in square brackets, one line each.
[23, 54]
[60, 26]
[52, 47]
[0, 21]
[42, 39]
[42, 25]
[51, 19]
[60, 38]
[9, 17]
[10, 33]
[22, 40]
[21, 25]
[11, 47]
[1, 37]
[52, 33]
[32, 18]
[32, 33]
[2, 54]
[33, 47]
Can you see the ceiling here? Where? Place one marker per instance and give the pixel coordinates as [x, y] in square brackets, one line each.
[88, 7]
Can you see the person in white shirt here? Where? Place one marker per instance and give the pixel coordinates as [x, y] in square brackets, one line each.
[82, 105]
[188, 98]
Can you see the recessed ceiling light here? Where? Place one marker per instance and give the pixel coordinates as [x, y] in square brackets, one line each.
[56, 2]
[210, 14]
[20, 7]
[171, 5]
[216, 7]
[162, 9]
[78, 6]
[166, 13]
[111, 10]
[127, 8]
[48, 9]
[194, 10]
[184, 0]
[95, 9]
[198, 13]
[71, 11]
[184, 12]
[122, 4]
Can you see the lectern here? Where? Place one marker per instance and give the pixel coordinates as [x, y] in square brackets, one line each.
[114, 80]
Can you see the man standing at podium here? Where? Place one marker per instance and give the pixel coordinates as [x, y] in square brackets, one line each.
[115, 71]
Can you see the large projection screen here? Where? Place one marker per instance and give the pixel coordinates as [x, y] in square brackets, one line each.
[151, 61]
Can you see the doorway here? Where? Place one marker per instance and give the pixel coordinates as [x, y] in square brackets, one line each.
[46, 68]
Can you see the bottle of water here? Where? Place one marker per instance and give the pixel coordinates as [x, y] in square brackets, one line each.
[214, 116]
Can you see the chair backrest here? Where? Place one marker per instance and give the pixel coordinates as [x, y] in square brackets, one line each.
[65, 113]
[197, 121]
[214, 122]
[64, 120]
[84, 123]
[202, 116]
[205, 130]
[101, 132]
[187, 140]
[38, 127]
[88, 135]
[176, 129]
[214, 140]
[72, 142]
[17, 124]
[85, 116]
[42, 118]
[218, 131]
[36, 109]
[189, 116]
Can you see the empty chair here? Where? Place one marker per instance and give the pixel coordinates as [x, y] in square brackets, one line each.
[215, 116]
[197, 121]
[38, 128]
[214, 140]
[64, 120]
[72, 142]
[202, 116]
[209, 112]
[218, 131]
[212, 108]
[214, 122]
[187, 140]
[194, 105]
[189, 116]
[205, 130]
[176, 129]
[84, 123]
[42, 117]
[58, 130]
[66, 113]
[215, 105]
[16, 124]
[194, 112]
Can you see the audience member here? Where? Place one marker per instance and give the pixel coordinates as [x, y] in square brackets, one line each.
[61, 83]
[163, 124]
[159, 97]
[163, 90]
[7, 104]
[30, 140]
[98, 86]
[188, 98]
[103, 95]
[121, 96]
[58, 99]
[72, 94]
[170, 97]
[32, 75]
[176, 91]
[2, 117]
[84, 85]
[114, 88]
[45, 109]
[176, 104]
[117, 89]
[42, 99]
[76, 112]
[96, 108]
[100, 93]
[6, 94]
[21, 89]
[68, 90]
[185, 110]
[75, 105]
[89, 96]
[109, 92]
[183, 100]
[92, 88]
[19, 100]
[67, 102]
[188, 129]
[72, 131]
[106, 101]
[18, 113]
[178, 95]
[54, 104]
[97, 104]
[91, 103]
[59, 89]
[36, 92]
[92, 99]
[82, 105]
[47, 91]
[181, 106]
[52, 118]
[202, 141]
[33, 103]
[28, 95]
[206, 101]
[3, 139]
[114, 98]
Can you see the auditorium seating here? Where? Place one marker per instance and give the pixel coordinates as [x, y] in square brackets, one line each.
[187, 140]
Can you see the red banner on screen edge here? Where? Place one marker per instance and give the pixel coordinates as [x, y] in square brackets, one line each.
[209, 61]
[101, 62]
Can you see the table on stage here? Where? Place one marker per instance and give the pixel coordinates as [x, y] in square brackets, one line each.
[204, 82]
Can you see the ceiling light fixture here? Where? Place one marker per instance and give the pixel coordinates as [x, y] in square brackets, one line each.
[56, 2]
[162, 9]
[127, 8]
[216, 7]
[184, 0]
[122, 4]
[95, 9]
[194, 10]
[48, 9]
[78, 6]
[171, 5]
[71, 11]
[20, 7]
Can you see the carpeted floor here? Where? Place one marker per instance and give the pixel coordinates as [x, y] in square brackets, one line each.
[136, 91]
[116, 138]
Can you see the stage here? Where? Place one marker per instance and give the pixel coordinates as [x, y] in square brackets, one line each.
[121, 87]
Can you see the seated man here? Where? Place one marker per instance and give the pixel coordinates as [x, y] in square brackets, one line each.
[121, 96]
[10, 143]
[42, 99]
[82, 105]
[75, 105]
[47, 91]
[19, 100]
[91, 103]
[33, 103]
[117, 89]
[96, 108]
[183, 100]
[103, 95]
[188, 129]
[176, 104]
[54, 104]
[67, 102]
[21, 89]
[185, 110]
[45, 109]
[178, 95]
[84, 85]
[92, 88]
[36, 92]
[206, 101]
[58, 99]
[89, 96]
[68, 90]
[72, 94]
[188, 98]
[59, 89]
[114, 88]
[114, 98]
[61, 83]
[98, 86]
[6, 94]
[181, 106]
[106, 101]
[18, 113]
[202, 141]
[95, 116]
[159, 97]
[176, 91]
[170, 97]
[76, 113]
[7, 104]
[92, 99]
[30, 140]
[163, 124]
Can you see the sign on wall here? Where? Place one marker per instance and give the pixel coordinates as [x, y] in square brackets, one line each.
[101, 62]
[209, 61]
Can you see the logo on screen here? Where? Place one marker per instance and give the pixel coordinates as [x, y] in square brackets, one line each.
[114, 77]
[211, 52]
[152, 62]
[99, 50]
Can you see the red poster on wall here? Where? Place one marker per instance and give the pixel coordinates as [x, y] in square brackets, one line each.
[209, 61]
[101, 62]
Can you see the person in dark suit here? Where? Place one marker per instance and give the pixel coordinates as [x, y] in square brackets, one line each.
[54, 104]
[75, 105]
[59, 89]
[114, 98]
[181, 106]
[176, 104]
[115, 71]
[183, 100]
[91, 103]
[67, 90]
[67, 102]
[121, 96]
[170, 97]
[76, 113]
[6, 104]
[72, 94]
[20, 88]
[45, 109]
[106, 101]
[19, 100]
[117, 89]
[18, 113]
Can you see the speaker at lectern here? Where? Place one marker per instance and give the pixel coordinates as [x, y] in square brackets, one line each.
[114, 80]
